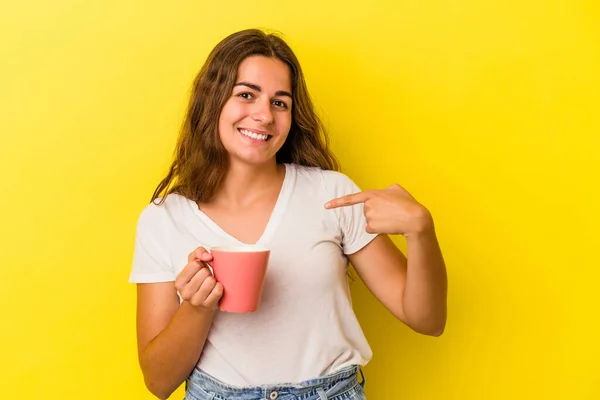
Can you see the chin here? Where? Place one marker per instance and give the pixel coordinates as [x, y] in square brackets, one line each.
[254, 161]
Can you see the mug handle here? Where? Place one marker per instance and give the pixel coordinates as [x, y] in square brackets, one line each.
[210, 268]
[207, 265]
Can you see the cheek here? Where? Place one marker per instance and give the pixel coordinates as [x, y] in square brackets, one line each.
[227, 118]
[231, 113]
[284, 124]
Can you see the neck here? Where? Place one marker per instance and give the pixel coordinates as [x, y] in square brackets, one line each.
[245, 183]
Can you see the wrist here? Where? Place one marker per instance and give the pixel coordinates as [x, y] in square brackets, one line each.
[423, 225]
[200, 311]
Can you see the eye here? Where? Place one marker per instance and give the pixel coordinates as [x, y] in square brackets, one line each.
[245, 95]
[280, 104]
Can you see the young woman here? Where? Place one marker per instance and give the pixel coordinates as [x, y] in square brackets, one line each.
[252, 166]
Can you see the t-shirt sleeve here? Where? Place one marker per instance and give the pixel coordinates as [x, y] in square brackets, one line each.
[150, 259]
[352, 218]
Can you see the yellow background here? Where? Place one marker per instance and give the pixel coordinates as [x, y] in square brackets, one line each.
[486, 111]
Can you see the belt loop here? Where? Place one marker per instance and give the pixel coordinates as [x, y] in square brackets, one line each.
[322, 395]
[364, 380]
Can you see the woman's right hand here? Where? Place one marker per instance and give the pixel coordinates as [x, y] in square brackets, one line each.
[171, 336]
[196, 284]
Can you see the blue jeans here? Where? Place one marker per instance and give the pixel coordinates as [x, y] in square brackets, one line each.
[342, 385]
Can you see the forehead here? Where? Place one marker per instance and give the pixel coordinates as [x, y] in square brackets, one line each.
[270, 73]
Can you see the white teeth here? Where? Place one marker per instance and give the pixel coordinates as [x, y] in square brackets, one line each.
[255, 136]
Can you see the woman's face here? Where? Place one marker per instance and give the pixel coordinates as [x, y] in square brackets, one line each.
[256, 119]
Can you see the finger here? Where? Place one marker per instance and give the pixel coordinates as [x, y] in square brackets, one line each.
[369, 228]
[215, 295]
[200, 253]
[193, 286]
[199, 298]
[187, 274]
[348, 200]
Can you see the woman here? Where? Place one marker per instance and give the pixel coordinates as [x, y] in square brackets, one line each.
[252, 166]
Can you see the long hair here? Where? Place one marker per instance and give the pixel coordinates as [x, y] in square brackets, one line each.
[200, 160]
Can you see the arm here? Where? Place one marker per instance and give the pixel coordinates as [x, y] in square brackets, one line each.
[414, 290]
[171, 336]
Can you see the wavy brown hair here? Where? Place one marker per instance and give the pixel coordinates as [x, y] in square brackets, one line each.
[200, 160]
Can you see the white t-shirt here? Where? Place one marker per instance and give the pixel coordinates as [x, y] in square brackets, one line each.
[305, 326]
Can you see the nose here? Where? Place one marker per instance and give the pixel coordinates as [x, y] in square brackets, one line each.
[262, 112]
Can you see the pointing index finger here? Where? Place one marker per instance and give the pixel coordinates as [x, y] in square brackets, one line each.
[348, 200]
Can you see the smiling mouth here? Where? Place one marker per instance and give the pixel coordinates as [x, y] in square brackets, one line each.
[254, 135]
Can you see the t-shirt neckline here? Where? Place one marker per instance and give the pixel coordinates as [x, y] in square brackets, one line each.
[274, 220]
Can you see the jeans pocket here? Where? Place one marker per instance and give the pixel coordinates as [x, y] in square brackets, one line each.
[198, 395]
[356, 393]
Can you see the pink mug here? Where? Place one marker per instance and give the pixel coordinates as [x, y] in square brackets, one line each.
[241, 270]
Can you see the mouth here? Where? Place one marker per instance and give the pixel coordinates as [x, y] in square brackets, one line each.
[255, 135]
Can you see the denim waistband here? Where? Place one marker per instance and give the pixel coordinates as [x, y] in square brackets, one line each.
[334, 384]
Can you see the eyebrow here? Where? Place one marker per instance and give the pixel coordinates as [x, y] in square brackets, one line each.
[258, 89]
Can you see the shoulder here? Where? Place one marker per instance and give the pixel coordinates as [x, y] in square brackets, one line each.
[330, 183]
[157, 214]
[338, 183]
[336, 178]
[317, 175]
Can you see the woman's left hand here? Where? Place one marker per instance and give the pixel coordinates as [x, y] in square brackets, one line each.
[389, 211]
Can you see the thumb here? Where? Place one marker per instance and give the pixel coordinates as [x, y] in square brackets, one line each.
[399, 189]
